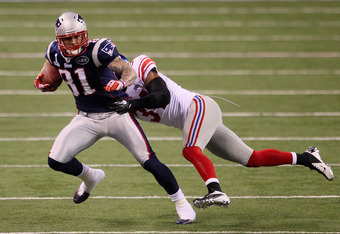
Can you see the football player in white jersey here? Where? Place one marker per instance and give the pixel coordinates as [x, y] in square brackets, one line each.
[156, 98]
[90, 69]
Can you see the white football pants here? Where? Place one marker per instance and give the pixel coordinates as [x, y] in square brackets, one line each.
[204, 128]
[87, 128]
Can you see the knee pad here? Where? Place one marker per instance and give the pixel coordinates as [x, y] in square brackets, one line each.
[73, 167]
[55, 165]
[151, 164]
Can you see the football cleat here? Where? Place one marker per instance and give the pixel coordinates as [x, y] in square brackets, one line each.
[186, 214]
[215, 198]
[315, 163]
[85, 188]
[184, 221]
[80, 195]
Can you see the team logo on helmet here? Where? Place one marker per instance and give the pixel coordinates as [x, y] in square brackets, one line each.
[57, 24]
[80, 19]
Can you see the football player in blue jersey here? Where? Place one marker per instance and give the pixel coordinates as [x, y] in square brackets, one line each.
[91, 69]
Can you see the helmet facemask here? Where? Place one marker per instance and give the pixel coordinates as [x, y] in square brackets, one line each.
[70, 26]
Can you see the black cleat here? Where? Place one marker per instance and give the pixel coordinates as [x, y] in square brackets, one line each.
[80, 196]
[184, 221]
[315, 163]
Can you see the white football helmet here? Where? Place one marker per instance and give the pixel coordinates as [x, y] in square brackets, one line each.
[71, 24]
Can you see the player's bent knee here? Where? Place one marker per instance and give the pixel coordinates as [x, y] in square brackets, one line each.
[189, 152]
[151, 164]
[55, 165]
[73, 167]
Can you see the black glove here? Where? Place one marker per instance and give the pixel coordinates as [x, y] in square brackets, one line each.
[120, 106]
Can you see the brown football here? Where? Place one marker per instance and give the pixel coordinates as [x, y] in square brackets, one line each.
[51, 75]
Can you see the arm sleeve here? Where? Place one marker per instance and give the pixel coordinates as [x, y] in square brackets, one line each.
[159, 96]
[104, 52]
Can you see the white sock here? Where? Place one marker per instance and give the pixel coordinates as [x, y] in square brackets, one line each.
[177, 196]
[84, 171]
[181, 202]
[91, 178]
[212, 180]
[294, 158]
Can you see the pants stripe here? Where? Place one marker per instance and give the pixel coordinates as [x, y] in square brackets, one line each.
[197, 121]
[147, 144]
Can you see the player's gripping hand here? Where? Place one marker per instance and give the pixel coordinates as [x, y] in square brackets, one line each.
[115, 85]
[43, 87]
[121, 106]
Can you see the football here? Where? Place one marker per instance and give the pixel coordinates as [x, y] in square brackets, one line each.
[51, 75]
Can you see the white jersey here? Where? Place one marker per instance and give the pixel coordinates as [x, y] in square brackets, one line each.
[175, 113]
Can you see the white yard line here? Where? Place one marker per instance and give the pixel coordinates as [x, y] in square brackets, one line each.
[174, 232]
[184, 24]
[206, 92]
[225, 114]
[180, 10]
[330, 54]
[194, 38]
[243, 72]
[166, 197]
[134, 165]
[333, 138]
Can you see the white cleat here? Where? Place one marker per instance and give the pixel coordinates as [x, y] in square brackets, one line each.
[216, 198]
[315, 163]
[85, 188]
[186, 214]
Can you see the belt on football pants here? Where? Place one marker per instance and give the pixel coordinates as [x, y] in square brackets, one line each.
[97, 115]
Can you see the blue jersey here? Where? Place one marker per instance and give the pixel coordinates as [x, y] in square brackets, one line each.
[87, 74]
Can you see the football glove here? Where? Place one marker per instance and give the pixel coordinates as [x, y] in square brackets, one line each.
[115, 85]
[121, 106]
[42, 87]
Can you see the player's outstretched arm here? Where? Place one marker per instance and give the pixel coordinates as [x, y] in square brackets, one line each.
[159, 96]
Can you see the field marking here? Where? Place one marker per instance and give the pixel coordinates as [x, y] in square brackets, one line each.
[224, 114]
[171, 232]
[243, 72]
[194, 38]
[206, 92]
[332, 138]
[330, 54]
[137, 165]
[179, 10]
[278, 114]
[269, 92]
[182, 24]
[166, 197]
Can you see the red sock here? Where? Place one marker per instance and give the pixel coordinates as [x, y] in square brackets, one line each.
[202, 163]
[269, 157]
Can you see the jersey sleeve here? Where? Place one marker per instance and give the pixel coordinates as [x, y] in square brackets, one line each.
[51, 49]
[143, 65]
[104, 52]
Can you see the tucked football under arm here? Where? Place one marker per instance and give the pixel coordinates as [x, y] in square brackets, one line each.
[159, 96]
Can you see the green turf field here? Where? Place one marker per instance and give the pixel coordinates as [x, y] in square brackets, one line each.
[278, 60]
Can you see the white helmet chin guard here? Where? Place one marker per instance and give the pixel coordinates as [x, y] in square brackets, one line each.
[71, 24]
